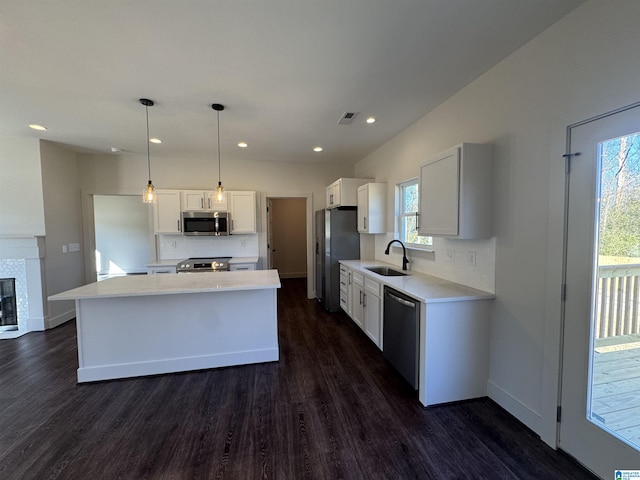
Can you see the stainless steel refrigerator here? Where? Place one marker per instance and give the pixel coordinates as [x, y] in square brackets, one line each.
[337, 238]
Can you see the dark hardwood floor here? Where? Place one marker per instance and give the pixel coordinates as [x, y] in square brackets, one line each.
[331, 408]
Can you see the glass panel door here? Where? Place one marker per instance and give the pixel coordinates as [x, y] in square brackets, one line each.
[600, 394]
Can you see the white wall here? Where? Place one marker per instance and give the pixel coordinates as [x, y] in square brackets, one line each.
[63, 223]
[21, 204]
[105, 174]
[122, 226]
[124, 174]
[582, 66]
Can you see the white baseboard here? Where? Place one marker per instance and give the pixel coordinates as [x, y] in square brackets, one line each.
[52, 322]
[173, 365]
[512, 405]
[293, 275]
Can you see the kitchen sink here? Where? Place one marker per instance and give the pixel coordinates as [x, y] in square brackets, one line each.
[386, 271]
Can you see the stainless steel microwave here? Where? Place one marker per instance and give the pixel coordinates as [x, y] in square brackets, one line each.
[205, 223]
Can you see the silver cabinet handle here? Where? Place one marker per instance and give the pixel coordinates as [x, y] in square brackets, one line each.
[364, 299]
[209, 202]
[402, 301]
[365, 223]
[179, 229]
[360, 297]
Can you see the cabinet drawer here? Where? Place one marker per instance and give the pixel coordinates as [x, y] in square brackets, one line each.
[358, 278]
[372, 287]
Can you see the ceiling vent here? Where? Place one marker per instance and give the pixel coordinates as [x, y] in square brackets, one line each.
[347, 118]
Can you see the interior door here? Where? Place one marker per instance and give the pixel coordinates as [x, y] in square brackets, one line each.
[270, 246]
[600, 392]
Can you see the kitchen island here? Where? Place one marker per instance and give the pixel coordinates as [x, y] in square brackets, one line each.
[153, 324]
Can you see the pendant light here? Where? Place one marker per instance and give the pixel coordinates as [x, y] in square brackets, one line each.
[220, 190]
[149, 195]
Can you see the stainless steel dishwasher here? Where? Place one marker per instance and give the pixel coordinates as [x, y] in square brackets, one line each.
[401, 334]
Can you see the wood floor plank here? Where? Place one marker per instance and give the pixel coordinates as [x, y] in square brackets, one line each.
[331, 408]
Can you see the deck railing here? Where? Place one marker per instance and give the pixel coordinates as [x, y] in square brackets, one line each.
[618, 300]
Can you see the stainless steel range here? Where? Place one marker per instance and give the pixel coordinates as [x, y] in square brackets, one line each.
[207, 264]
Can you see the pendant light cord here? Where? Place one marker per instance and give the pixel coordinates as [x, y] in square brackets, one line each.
[146, 107]
[218, 115]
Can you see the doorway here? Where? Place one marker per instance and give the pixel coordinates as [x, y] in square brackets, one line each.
[600, 389]
[288, 235]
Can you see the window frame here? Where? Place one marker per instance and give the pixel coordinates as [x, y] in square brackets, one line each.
[403, 215]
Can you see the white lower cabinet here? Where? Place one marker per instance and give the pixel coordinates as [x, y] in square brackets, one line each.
[362, 302]
[357, 307]
[373, 311]
[344, 295]
[242, 266]
[161, 269]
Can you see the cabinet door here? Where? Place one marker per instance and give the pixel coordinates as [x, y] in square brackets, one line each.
[440, 194]
[363, 208]
[242, 266]
[212, 202]
[357, 312]
[243, 212]
[331, 195]
[350, 292]
[373, 311]
[193, 200]
[167, 212]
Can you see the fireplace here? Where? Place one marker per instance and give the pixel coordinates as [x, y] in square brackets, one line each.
[8, 308]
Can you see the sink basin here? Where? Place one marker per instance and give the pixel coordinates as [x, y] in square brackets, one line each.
[386, 271]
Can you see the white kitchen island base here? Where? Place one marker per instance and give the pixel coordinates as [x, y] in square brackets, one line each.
[187, 322]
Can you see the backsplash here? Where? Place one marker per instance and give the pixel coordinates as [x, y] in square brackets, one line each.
[468, 262]
[179, 247]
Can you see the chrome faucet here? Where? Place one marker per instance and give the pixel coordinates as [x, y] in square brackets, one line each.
[405, 260]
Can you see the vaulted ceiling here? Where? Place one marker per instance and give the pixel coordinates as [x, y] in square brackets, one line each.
[285, 70]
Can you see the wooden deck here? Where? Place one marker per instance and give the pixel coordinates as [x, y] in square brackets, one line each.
[616, 388]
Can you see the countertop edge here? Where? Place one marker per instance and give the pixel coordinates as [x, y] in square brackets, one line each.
[171, 285]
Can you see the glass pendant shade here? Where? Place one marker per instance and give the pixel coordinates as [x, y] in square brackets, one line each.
[219, 193]
[149, 195]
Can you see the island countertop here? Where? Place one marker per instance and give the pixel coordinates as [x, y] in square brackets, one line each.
[144, 285]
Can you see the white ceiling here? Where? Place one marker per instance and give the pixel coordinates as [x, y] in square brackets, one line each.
[286, 70]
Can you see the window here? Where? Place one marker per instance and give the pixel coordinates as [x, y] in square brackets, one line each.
[409, 215]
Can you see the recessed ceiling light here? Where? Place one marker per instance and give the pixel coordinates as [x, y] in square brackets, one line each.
[243, 144]
[35, 126]
[371, 120]
[155, 140]
[115, 150]
[317, 149]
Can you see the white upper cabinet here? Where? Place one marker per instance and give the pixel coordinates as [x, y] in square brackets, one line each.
[199, 200]
[242, 207]
[456, 193]
[372, 200]
[343, 192]
[166, 218]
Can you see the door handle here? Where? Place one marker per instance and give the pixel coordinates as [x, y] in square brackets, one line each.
[402, 301]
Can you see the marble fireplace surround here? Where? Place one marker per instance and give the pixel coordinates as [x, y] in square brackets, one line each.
[22, 258]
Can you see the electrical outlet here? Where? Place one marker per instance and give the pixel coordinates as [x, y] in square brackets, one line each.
[450, 255]
[471, 258]
[64, 249]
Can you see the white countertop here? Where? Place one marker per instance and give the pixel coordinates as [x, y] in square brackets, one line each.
[426, 288]
[199, 282]
[172, 262]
